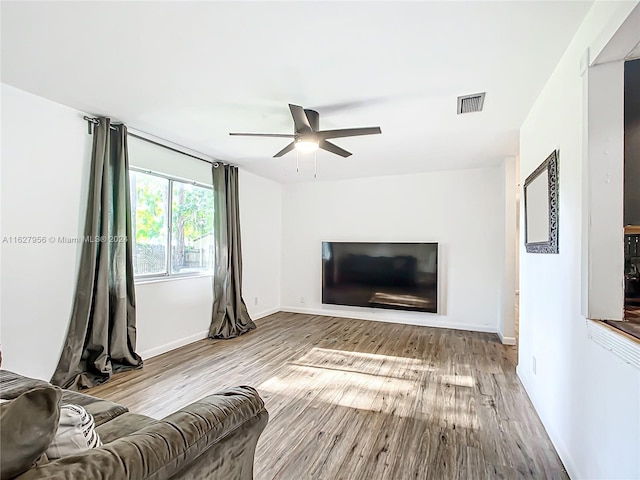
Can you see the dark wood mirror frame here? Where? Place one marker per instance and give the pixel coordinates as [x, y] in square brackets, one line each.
[550, 245]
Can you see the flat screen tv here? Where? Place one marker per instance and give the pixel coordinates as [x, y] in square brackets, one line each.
[400, 276]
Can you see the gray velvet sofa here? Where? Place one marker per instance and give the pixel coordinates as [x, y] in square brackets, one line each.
[213, 438]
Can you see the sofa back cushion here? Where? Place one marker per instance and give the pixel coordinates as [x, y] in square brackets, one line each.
[13, 384]
[27, 425]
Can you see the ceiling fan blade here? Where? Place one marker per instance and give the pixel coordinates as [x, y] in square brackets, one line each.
[348, 132]
[286, 149]
[284, 135]
[300, 120]
[330, 147]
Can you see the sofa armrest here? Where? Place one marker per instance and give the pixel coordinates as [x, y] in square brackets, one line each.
[213, 438]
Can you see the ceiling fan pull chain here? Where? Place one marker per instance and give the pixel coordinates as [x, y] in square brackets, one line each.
[315, 164]
[297, 161]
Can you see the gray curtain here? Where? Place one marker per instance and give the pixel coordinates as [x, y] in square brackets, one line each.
[230, 317]
[101, 338]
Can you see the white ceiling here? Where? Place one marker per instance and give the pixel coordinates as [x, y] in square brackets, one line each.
[191, 72]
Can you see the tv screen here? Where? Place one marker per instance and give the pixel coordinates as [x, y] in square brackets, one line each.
[401, 276]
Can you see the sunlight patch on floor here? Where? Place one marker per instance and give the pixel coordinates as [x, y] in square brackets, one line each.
[370, 382]
[338, 387]
[370, 363]
[458, 380]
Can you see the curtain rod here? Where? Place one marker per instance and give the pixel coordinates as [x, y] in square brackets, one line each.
[95, 121]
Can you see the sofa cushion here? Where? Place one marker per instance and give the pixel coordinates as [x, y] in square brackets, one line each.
[27, 426]
[122, 426]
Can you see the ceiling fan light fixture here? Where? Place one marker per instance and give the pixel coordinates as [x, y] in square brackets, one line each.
[306, 146]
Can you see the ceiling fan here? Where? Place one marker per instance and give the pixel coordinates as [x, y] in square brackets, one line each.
[307, 137]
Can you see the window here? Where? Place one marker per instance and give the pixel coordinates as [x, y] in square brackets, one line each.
[172, 222]
[631, 194]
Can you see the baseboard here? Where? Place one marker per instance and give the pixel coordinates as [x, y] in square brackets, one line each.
[506, 340]
[167, 347]
[265, 313]
[159, 350]
[424, 321]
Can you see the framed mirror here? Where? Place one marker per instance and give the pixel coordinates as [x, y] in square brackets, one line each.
[541, 207]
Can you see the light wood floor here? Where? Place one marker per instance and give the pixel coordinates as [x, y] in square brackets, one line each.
[358, 400]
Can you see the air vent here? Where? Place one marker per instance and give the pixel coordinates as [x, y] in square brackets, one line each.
[471, 103]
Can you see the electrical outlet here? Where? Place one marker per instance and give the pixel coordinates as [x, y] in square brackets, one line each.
[255, 301]
[533, 365]
[301, 299]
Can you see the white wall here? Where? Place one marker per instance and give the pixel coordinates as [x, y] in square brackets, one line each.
[506, 319]
[461, 210]
[260, 220]
[45, 168]
[172, 313]
[44, 172]
[587, 398]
